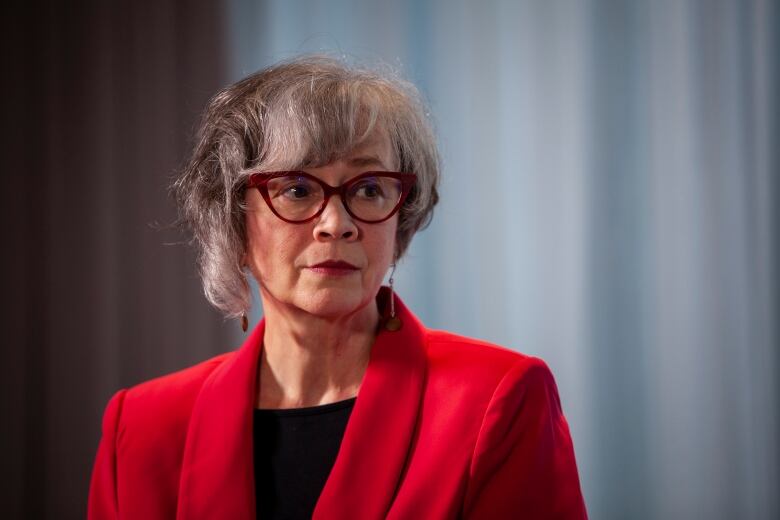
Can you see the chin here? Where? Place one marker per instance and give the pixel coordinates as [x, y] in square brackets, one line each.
[334, 302]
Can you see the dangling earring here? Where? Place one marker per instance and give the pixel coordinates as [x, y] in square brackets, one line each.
[393, 322]
[244, 320]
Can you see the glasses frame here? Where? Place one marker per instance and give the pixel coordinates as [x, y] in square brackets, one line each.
[260, 181]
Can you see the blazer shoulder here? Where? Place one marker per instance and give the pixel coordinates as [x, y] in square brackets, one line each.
[475, 356]
[478, 364]
[169, 399]
[181, 381]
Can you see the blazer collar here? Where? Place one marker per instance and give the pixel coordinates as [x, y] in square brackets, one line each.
[217, 476]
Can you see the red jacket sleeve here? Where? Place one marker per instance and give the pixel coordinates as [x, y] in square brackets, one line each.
[102, 502]
[523, 465]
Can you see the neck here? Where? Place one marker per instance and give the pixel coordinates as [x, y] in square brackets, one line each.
[309, 360]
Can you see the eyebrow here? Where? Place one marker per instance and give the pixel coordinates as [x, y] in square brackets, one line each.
[366, 160]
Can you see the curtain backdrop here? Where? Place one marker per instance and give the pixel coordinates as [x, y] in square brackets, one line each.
[99, 102]
[610, 203]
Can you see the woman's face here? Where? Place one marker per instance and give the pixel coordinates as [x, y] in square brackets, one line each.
[286, 258]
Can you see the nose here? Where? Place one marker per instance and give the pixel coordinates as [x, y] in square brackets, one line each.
[335, 222]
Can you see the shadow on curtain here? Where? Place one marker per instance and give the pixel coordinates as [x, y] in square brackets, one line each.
[99, 102]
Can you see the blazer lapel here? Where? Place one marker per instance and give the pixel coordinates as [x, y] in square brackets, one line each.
[376, 443]
[217, 476]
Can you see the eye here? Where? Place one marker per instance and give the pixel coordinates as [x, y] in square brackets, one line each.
[297, 191]
[367, 189]
[293, 189]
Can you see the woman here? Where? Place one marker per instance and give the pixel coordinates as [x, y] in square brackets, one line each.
[312, 177]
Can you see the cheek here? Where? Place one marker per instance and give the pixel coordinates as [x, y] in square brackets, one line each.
[382, 244]
[270, 248]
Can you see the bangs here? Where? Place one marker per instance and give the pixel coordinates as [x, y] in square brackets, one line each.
[316, 124]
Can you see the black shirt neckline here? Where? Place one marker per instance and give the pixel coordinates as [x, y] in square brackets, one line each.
[307, 410]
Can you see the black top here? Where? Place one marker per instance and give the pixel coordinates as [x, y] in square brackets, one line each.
[294, 452]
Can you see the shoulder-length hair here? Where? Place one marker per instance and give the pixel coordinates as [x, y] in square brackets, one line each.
[304, 112]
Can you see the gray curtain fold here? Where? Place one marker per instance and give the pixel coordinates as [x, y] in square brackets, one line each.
[99, 107]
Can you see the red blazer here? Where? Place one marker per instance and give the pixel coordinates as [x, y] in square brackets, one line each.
[444, 427]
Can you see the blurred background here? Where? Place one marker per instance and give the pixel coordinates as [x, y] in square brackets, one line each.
[610, 203]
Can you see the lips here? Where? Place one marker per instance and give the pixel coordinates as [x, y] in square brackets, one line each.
[334, 268]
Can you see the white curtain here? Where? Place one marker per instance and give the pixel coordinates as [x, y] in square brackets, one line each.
[610, 203]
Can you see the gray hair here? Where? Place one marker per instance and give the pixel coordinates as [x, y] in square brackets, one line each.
[305, 112]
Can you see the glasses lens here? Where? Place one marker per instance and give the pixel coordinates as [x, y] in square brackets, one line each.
[373, 198]
[295, 197]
